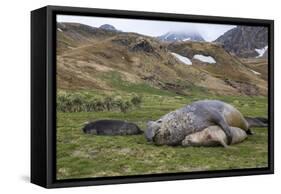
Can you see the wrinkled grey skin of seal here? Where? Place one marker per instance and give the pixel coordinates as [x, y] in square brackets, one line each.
[173, 127]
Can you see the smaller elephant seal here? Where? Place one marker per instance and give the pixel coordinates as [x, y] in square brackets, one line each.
[214, 136]
[111, 127]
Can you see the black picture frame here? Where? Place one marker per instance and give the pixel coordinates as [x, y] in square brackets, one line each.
[43, 96]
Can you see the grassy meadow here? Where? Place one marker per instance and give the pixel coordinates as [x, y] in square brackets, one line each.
[82, 155]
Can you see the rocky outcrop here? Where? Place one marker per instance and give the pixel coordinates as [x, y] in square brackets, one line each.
[244, 40]
[142, 45]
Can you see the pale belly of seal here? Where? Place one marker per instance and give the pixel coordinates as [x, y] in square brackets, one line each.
[214, 136]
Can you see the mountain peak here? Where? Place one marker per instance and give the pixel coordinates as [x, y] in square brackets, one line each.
[181, 36]
[108, 27]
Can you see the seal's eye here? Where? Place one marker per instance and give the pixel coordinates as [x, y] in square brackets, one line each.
[159, 121]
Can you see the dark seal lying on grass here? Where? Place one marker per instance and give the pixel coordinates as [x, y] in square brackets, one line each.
[174, 127]
[111, 127]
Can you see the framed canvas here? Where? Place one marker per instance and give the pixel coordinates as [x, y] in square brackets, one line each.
[126, 96]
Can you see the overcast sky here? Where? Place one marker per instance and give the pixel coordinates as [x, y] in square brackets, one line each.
[209, 32]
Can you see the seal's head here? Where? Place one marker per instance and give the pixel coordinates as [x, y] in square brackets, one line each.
[159, 133]
[198, 138]
[89, 128]
[152, 128]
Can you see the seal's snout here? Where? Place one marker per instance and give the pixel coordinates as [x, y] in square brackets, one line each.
[149, 135]
[88, 127]
[150, 132]
[85, 129]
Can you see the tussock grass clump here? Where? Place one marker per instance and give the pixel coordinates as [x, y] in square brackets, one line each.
[79, 102]
[136, 100]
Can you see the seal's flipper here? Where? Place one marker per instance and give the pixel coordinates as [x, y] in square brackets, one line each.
[257, 121]
[223, 144]
[219, 120]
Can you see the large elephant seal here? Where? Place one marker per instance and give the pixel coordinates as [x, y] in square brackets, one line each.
[111, 127]
[172, 128]
[214, 136]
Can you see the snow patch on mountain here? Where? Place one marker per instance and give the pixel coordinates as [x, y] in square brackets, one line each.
[255, 72]
[261, 51]
[183, 59]
[205, 59]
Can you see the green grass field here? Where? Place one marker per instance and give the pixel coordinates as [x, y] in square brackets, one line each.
[81, 155]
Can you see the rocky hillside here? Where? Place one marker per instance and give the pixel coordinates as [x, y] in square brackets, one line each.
[245, 41]
[73, 35]
[181, 36]
[102, 58]
[220, 65]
